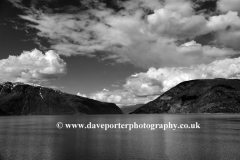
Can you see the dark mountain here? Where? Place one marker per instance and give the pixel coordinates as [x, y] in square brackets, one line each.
[198, 96]
[29, 99]
[131, 108]
[2, 113]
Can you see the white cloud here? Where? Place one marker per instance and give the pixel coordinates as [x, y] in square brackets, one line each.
[33, 66]
[173, 24]
[132, 36]
[136, 4]
[82, 95]
[221, 22]
[165, 53]
[228, 5]
[227, 29]
[184, 7]
[156, 81]
[120, 97]
[229, 38]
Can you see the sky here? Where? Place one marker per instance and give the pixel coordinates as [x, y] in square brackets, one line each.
[121, 51]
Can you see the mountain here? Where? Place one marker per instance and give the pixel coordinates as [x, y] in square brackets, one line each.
[2, 113]
[131, 108]
[197, 96]
[30, 99]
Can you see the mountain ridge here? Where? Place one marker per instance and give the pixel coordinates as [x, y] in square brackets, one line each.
[197, 96]
[30, 99]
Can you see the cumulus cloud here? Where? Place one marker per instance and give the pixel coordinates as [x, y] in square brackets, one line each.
[81, 95]
[174, 24]
[145, 39]
[32, 66]
[228, 5]
[227, 29]
[229, 38]
[183, 7]
[120, 97]
[134, 5]
[156, 81]
[146, 86]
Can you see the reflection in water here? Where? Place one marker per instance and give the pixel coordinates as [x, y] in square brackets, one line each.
[36, 137]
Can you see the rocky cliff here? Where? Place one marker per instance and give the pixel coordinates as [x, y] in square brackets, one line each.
[29, 99]
[198, 96]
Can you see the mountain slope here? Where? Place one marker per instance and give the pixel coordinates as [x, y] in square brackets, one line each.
[25, 99]
[198, 96]
[129, 109]
[2, 113]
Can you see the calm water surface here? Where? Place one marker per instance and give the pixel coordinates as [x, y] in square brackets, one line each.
[36, 137]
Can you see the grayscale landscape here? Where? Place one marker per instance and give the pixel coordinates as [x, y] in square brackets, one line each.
[120, 79]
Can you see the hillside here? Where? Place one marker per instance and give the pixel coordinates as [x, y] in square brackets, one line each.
[29, 99]
[131, 108]
[197, 96]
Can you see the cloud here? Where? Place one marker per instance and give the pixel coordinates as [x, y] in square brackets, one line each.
[33, 66]
[81, 95]
[221, 22]
[156, 81]
[227, 29]
[146, 86]
[120, 97]
[228, 5]
[229, 38]
[174, 24]
[183, 7]
[158, 38]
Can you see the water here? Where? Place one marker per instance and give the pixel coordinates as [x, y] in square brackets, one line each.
[36, 137]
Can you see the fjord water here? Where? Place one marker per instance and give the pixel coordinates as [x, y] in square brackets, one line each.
[36, 137]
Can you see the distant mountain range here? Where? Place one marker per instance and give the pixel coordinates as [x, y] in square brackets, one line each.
[130, 108]
[30, 99]
[197, 96]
